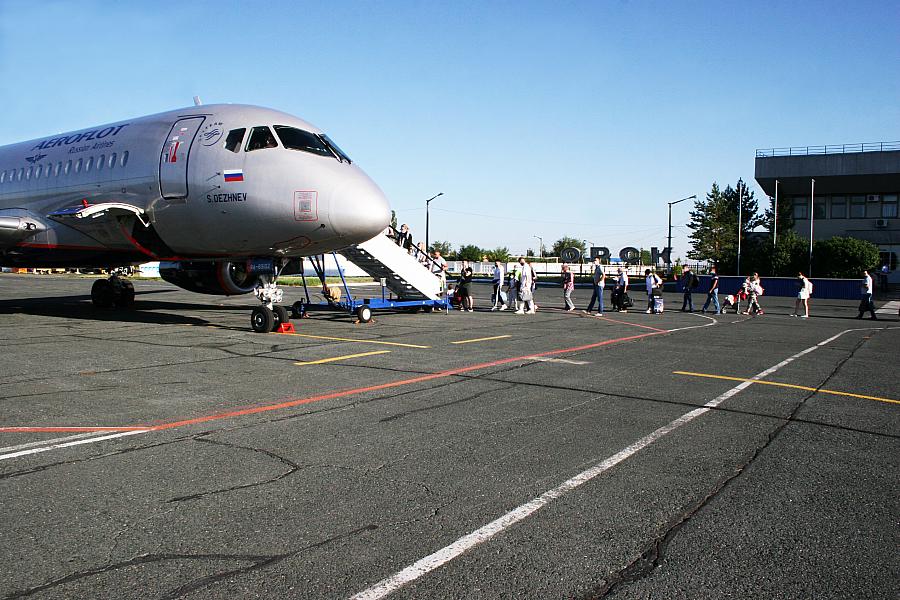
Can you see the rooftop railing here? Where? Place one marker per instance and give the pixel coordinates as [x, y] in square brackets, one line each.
[835, 149]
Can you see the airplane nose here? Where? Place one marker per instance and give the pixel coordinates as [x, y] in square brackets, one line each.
[359, 210]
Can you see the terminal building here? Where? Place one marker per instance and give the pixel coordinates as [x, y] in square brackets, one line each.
[855, 193]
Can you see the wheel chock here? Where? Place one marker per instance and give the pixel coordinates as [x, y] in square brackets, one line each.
[285, 328]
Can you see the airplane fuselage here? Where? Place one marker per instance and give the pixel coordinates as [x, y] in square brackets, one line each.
[201, 183]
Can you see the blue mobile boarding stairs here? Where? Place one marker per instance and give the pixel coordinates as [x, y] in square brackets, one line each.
[414, 281]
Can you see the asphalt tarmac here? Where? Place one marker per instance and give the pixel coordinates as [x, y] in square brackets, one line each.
[169, 452]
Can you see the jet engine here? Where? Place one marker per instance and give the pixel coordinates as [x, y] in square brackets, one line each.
[221, 278]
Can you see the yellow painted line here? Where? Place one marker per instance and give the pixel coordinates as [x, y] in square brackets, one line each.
[496, 337]
[345, 357]
[338, 339]
[789, 385]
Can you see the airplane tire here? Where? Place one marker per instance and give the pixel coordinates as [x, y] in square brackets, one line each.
[297, 309]
[364, 314]
[281, 315]
[262, 319]
[125, 297]
[102, 294]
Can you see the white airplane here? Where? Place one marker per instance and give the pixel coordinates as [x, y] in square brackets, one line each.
[225, 196]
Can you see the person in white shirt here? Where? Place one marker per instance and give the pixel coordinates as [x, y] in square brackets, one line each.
[618, 295]
[867, 304]
[526, 280]
[497, 280]
[803, 295]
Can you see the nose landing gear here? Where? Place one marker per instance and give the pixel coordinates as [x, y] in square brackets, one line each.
[271, 314]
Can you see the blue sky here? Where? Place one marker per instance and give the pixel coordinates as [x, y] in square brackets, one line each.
[533, 118]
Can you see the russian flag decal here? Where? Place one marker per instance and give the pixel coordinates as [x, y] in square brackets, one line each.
[233, 174]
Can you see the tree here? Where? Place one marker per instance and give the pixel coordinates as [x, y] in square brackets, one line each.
[394, 219]
[567, 242]
[785, 216]
[714, 223]
[445, 248]
[500, 253]
[470, 252]
[529, 252]
[843, 257]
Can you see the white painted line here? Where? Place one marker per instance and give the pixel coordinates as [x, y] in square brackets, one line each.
[70, 444]
[431, 562]
[559, 360]
[78, 436]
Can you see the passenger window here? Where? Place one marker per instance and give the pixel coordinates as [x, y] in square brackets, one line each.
[100, 162]
[68, 167]
[58, 168]
[125, 158]
[234, 139]
[2, 176]
[39, 171]
[112, 160]
[260, 138]
[90, 164]
[28, 173]
[21, 173]
[78, 166]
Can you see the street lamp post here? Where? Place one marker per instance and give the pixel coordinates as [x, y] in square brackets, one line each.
[669, 247]
[541, 248]
[740, 223]
[427, 204]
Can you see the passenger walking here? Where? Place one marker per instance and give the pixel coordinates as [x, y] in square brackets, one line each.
[653, 283]
[568, 286]
[404, 238]
[806, 289]
[464, 286]
[867, 304]
[512, 287]
[599, 281]
[497, 280]
[689, 282]
[525, 282]
[713, 294]
[421, 254]
[755, 290]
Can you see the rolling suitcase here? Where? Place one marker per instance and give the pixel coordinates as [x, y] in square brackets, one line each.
[658, 305]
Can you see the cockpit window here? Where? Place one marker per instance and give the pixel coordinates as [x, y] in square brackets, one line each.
[342, 156]
[261, 137]
[234, 139]
[297, 139]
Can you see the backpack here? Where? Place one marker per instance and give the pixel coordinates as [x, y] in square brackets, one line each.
[695, 282]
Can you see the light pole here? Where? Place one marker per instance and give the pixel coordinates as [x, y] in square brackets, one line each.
[740, 224]
[427, 204]
[541, 248]
[812, 216]
[669, 247]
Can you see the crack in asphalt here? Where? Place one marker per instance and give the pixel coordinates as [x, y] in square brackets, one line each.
[654, 552]
[463, 400]
[292, 468]
[258, 561]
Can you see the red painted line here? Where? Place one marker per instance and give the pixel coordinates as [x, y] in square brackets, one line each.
[69, 429]
[330, 395]
[392, 384]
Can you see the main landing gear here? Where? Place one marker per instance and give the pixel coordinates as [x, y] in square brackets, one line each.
[271, 314]
[115, 291]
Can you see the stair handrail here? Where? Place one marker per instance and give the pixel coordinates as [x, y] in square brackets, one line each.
[432, 265]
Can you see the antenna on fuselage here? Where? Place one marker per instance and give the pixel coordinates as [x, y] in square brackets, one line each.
[197, 101]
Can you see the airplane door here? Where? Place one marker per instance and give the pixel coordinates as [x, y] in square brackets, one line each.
[173, 162]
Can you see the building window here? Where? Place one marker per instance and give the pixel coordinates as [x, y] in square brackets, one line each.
[857, 207]
[838, 207]
[819, 209]
[801, 207]
[889, 206]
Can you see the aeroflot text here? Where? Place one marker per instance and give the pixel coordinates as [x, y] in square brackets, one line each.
[94, 134]
[226, 197]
